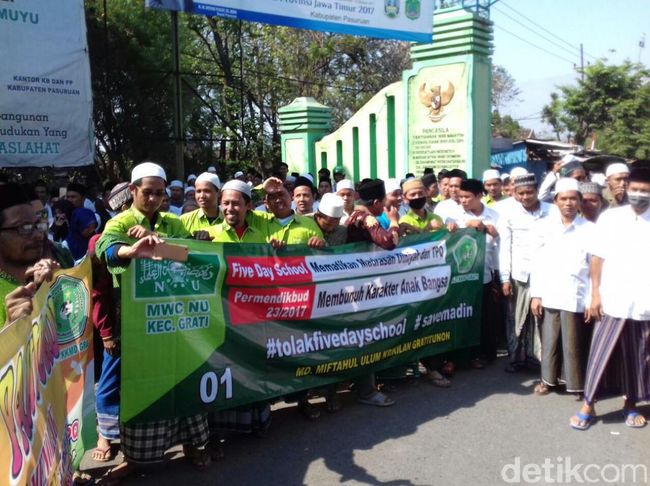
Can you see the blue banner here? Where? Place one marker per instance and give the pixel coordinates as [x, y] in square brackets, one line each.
[409, 20]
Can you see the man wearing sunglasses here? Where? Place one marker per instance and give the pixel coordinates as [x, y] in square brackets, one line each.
[23, 266]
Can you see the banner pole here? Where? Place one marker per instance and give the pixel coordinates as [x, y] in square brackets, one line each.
[178, 101]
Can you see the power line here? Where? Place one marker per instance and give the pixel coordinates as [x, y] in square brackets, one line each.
[545, 29]
[573, 63]
[535, 32]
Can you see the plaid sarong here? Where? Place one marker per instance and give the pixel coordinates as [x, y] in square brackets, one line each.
[148, 441]
[252, 418]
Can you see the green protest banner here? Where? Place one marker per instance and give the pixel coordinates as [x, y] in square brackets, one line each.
[238, 324]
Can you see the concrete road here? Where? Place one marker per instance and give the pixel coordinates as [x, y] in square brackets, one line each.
[487, 429]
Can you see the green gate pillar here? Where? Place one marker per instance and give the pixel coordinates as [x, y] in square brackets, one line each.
[448, 93]
[303, 122]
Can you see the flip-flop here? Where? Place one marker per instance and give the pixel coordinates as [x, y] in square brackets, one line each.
[630, 419]
[586, 419]
[102, 455]
[376, 399]
[440, 381]
[198, 457]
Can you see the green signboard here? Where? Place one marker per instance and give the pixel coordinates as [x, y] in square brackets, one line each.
[238, 324]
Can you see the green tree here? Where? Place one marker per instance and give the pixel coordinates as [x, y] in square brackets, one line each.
[611, 101]
[505, 126]
[504, 88]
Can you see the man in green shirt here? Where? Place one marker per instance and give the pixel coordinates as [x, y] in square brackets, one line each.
[493, 187]
[240, 223]
[285, 226]
[23, 266]
[146, 442]
[418, 219]
[207, 187]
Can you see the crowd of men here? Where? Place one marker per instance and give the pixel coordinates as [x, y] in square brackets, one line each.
[565, 290]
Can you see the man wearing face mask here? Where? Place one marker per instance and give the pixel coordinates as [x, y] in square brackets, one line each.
[620, 286]
[418, 219]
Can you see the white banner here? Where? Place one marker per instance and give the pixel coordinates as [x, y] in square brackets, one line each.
[410, 20]
[45, 89]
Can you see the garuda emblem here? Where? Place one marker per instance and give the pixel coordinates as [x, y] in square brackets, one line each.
[435, 99]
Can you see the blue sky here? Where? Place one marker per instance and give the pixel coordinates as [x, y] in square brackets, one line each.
[607, 29]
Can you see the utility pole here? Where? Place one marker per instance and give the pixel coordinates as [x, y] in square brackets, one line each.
[178, 101]
[582, 63]
[641, 46]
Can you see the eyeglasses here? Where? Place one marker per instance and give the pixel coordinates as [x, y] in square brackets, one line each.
[27, 229]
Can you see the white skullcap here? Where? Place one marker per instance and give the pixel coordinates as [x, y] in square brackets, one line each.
[491, 174]
[308, 176]
[331, 205]
[189, 189]
[568, 158]
[290, 179]
[239, 186]
[617, 168]
[567, 184]
[212, 169]
[505, 176]
[239, 173]
[147, 169]
[191, 177]
[517, 172]
[176, 183]
[599, 179]
[344, 184]
[389, 184]
[211, 178]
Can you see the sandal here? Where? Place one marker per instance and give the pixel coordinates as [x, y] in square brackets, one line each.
[198, 456]
[376, 399]
[436, 379]
[102, 455]
[308, 411]
[448, 368]
[477, 364]
[583, 422]
[631, 419]
[333, 402]
[541, 389]
[215, 449]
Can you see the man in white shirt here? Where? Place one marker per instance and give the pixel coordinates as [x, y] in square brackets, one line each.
[515, 226]
[620, 286]
[345, 189]
[558, 286]
[475, 214]
[618, 175]
[449, 209]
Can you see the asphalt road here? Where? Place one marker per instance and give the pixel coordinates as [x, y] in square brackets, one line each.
[487, 429]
